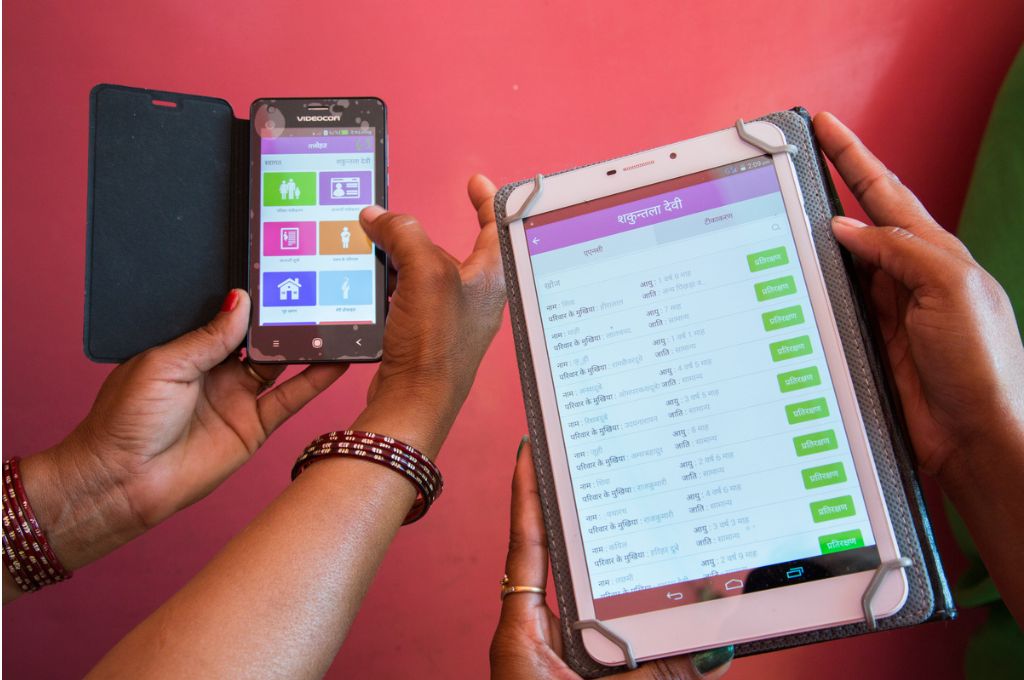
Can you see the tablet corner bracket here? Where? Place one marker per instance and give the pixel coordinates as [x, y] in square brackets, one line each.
[746, 136]
[876, 582]
[600, 627]
[538, 184]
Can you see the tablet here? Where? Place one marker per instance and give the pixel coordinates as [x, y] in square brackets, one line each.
[714, 481]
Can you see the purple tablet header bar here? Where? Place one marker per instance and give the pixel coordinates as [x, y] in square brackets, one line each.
[345, 144]
[652, 210]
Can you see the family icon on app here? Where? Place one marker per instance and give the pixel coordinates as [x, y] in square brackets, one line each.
[289, 190]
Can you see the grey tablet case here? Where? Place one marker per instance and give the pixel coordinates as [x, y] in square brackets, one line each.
[929, 593]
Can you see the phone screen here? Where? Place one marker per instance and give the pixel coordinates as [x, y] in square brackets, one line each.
[707, 453]
[316, 262]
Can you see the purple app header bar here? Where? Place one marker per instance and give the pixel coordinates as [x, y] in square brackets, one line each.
[344, 144]
[652, 210]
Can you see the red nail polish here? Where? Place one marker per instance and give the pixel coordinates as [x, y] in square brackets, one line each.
[230, 302]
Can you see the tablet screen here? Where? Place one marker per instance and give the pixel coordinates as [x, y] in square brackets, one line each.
[707, 453]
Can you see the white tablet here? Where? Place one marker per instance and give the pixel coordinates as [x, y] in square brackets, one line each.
[713, 476]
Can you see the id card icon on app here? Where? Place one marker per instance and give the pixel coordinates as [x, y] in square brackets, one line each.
[345, 188]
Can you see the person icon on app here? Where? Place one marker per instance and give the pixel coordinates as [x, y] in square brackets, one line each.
[346, 238]
[284, 190]
[345, 288]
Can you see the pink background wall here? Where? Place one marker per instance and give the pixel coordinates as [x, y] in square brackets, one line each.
[471, 86]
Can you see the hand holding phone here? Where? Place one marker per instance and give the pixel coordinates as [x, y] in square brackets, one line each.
[444, 314]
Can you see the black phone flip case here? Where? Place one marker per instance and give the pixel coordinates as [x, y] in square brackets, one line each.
[167, 225]
[929, 593]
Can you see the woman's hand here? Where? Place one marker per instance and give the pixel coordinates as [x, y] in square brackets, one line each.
[246, 614]
[954, 349]
[167, 427]
[528, 642]
[443, 315]
[948, 326]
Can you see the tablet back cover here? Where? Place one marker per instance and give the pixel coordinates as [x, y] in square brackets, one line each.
[160, 250]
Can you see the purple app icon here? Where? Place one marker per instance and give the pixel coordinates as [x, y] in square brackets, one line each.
[289, 289]
[345, 188]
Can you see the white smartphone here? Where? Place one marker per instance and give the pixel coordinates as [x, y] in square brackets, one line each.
[715, 483]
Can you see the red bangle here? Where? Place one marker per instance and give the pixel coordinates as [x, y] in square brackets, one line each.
[41, 545]
[420, 465]
[26, 552]
[381, 450]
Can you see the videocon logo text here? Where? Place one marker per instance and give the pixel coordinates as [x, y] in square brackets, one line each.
[311, 119]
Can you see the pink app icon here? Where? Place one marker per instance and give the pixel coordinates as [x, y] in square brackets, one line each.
[289, 238]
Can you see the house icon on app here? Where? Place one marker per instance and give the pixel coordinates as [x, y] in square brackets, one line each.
[289, 289]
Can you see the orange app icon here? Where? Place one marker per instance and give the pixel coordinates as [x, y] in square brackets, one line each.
[343, 238]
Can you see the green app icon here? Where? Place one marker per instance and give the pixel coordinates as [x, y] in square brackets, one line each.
[289, 188]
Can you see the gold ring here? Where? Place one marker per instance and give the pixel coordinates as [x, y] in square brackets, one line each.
[508, 589]
[264, 384]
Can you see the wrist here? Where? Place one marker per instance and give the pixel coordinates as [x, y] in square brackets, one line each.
[417, 414]
[992, 453]
[79, 505]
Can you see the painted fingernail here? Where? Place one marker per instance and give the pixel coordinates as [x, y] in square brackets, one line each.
[370, 213]
[843, 221]
[522, 442]
[231, 301]
[712, 659]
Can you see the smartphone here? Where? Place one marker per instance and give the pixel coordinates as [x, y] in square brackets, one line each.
[318, 283]
[714, 480]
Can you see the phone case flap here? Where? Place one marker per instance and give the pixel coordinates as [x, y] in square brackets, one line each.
[166, 216]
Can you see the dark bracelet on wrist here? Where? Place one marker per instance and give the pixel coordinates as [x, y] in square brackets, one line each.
[382, 450]
[26, 552]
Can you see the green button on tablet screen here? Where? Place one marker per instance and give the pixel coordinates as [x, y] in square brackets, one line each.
[792, 348]
[768, 290]
[783, 318]
[844, 540]
[799, 379]
[833, 508]
[803, 411]
[823, 475]
[815, 442]
[773, 257]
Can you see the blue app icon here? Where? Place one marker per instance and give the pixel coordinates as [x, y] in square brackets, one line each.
[289, 289]
[346, 288]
